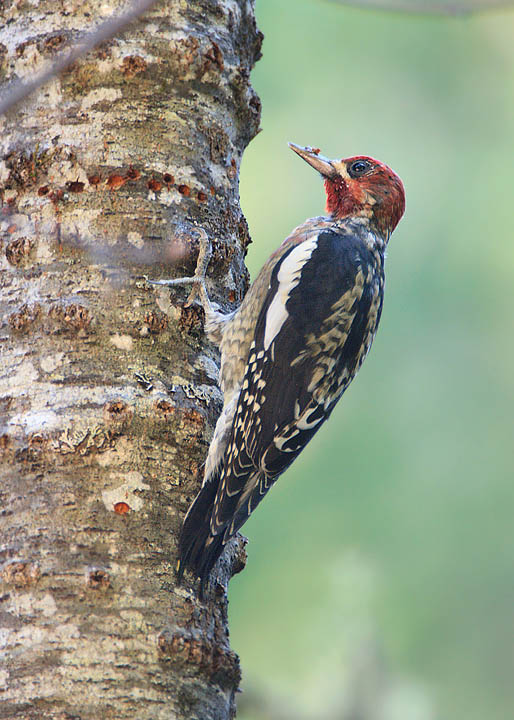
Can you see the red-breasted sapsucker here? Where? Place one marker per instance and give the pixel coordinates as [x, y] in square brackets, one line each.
[293, 346]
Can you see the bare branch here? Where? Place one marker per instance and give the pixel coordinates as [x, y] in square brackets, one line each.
[452, 8]
[103, 32]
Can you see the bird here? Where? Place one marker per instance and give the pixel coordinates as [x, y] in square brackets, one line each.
[292, 347]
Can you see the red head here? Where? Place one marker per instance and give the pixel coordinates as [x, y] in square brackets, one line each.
[359, 187]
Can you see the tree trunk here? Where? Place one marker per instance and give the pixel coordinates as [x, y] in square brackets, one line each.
[108, 388]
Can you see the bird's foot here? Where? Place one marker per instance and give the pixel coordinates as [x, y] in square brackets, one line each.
[199, 289]
[214, 319]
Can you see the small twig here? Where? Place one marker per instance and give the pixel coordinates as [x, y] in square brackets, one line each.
[96, 37]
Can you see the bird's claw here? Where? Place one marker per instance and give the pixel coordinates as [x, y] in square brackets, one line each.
[199, 290]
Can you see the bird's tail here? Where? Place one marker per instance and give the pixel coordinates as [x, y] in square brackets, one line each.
[198, 548]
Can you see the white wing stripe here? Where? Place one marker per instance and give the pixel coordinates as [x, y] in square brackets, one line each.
[288, 278]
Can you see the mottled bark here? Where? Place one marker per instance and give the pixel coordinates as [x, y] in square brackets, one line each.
[108, 388]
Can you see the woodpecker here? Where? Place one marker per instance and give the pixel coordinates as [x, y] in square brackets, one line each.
[291, 349]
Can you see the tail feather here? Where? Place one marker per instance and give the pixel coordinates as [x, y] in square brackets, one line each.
[198, 549]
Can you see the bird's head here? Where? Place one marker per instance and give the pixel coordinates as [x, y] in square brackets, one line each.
[360, 187]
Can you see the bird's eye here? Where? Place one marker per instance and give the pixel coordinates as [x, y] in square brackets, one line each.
[359, 168]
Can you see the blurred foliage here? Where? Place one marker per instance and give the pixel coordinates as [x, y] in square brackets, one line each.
[380, 581]
[430, 7]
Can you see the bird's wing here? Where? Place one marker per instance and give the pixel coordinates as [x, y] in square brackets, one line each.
[305, 351]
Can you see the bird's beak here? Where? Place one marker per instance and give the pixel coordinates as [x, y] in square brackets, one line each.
[322, 164]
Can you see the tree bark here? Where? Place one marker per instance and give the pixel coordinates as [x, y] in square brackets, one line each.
[108, 388]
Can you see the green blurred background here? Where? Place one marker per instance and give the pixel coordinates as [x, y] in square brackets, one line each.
[380, 579]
